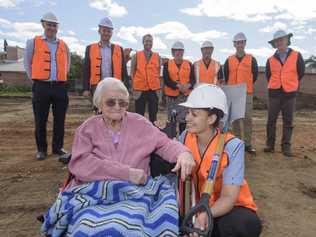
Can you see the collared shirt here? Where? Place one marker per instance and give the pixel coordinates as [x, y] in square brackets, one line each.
[87, 69]
[106, 65]
[284, 55]
[28, 57]
[148, 54]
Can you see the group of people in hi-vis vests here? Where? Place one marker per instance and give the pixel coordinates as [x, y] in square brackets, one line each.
[190, 89]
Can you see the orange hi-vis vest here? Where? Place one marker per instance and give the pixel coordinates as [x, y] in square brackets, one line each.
[202, 168]
[41, 60]
[206, 75]
[241, 72]
[147, 74]
[285, 75]
[179, 75]
[96, 61]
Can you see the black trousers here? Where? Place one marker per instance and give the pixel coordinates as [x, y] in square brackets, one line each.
[239, 222]
[286, 105]
[44, 95]
[147, 97]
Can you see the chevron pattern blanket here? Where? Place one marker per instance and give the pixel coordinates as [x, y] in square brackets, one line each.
[114, 208]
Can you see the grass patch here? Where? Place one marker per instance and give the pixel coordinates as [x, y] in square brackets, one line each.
[14, 91]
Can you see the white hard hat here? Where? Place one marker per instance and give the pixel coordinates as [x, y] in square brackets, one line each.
[106, 22]
[178, 45]
[239, 37]
[207, 96]
[49, 17]
[207, 44]
[280, 34]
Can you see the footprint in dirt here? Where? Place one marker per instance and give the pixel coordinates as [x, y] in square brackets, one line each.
[307, 190]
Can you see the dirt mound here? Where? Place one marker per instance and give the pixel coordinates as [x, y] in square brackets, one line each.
[284, 189]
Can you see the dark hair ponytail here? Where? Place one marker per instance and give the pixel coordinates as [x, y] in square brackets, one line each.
[219, 115]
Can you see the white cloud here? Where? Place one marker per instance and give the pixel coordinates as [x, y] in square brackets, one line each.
[74, 44]
[20, 30]
[262, 52]
[249, 10]
[159, 44]
[311, 30]
[16, 43]
[259, 52]
[52, 3]
[113, 9]
[227, 51]
[5, 23]
[171, 30]
[301, 50]
[276, 26]
[300, 37]
[9, 3]
[70, 32]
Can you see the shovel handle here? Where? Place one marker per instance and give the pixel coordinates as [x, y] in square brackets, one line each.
[187, 224]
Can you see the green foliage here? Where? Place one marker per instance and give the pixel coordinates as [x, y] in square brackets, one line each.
[76, 67]
[6, 90]
[311, 62]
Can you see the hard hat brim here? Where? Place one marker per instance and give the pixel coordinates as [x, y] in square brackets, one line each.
[106, 26]
[186, 104]
[273, 40]
[189, 105]
[239, 40]
[43, 20]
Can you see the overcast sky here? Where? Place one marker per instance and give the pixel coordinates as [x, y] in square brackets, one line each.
[191, 21]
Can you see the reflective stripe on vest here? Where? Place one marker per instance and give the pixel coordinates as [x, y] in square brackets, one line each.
[202, 168]
[96, 62]
[181, 76]
[206, 75]
[285, 75]
[41, 61]
[241, 71]
[147, 74]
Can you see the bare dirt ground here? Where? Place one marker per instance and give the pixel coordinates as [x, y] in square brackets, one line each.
[284, 189]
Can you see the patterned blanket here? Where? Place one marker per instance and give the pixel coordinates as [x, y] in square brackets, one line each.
[114, 208]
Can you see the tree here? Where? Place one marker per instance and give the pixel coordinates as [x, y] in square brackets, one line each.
[311, 62]
[76, 67]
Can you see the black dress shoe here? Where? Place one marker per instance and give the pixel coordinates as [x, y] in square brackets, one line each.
[269, 149]
[250, 149]
[40, 155]
[65, 159]
[287, 152]
[60, 152]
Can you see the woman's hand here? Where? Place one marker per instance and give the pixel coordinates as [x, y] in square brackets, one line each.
[186, 163]
[201, 222]
[86, 93]
[137, 176]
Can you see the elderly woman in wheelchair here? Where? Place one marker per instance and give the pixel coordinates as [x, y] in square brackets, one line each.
[111, 192]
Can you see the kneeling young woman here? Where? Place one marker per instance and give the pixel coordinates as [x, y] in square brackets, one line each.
[231, 204]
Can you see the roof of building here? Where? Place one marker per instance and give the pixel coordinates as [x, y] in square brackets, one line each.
[12, 66]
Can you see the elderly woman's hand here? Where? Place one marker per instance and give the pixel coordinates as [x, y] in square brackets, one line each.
[137, 176]
[186, 163]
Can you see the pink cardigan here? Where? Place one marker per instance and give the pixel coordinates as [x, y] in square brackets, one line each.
[94, 156]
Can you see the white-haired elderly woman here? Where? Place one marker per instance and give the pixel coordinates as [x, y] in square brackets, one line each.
[111, 194]
[116, 145]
